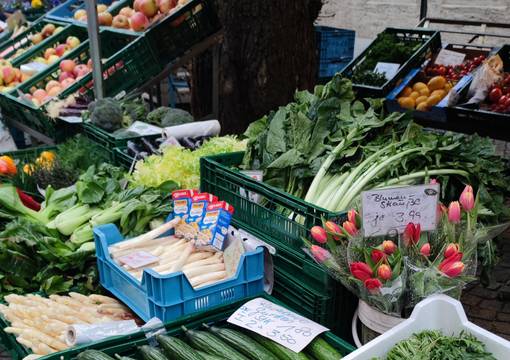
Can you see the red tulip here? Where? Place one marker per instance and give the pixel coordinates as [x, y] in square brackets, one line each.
[334, 229]
[377, 255]
[373, 285]
[425, 250]
[446, 262]
[454, 212]
[319, 234]
[353, 216]
[320, 254]
[350, 228]
[467, 198]
[451, 250]
[360, 270]
[389, 247]
[453, 269]
[412, 234]
[384, 272]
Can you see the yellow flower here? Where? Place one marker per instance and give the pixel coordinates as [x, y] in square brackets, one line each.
[28, 169]
[36, 4]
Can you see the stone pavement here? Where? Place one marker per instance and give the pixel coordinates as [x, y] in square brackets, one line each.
[489, 307]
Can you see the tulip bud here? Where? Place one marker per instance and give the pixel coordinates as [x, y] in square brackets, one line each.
[333, 229]
[412, 234]
[360, 270]
[454, 212]
[451, 250]
[467, 199]
[434, 182]
[350, 228]
[373, 285]
[319, 254]
[319, 234]
[453, 269]
[389, 247]
[384, 272]
[353, 217]
[446, 262]
[425, 250]
[377, 255]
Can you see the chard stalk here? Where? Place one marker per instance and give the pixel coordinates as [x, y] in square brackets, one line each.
[325, 195]
[422, 174]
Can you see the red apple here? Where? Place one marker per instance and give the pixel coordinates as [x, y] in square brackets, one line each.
[65, 75]
[55, 90]
[166, 5]
[126, 11]
[148, 7]
[101, 8]
[66, 83]
[120, 22]
[67, 65]
[51, 84]
[8, 75]
[39, 95]
[73, 41]
[136, 5]
[48, 52]
[61, 49]
[81, 70]
[105, 19]
[139, 21]
[90, 64]
[36, 38]
[47, 30]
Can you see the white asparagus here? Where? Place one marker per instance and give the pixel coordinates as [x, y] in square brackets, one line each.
[177, 266]
[147, 236]
[164, 241]
[43, 349]
[204, 278]
[199, 255]
[81, 298]
[190, 273]
[211, 260]
[25, 342]
[45, 339]
[101, 299]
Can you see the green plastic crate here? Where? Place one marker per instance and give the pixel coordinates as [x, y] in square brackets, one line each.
[127, 346]
[186, 27]
[121, 158]
[430, 40]
[29, 154]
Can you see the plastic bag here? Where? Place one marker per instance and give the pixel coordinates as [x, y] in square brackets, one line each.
[490, 72]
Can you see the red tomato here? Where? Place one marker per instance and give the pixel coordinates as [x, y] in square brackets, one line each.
[507, 102]
[502, 100]
[441, 70]
[495, 94]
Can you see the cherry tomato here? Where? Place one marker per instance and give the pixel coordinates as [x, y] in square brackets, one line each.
[495, 94]
[441, 70]
[507, 103]
[502, 100]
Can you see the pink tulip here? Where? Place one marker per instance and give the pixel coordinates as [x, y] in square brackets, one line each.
[412, 234]
[319, 234]
[373, 285]
[434, 182]
[467, 198]
[454, 212]
[377, 255]
[389, 247]
[384, 272]
[320, 254]
[350, 228]
[353, 217]
[425, 250]
[453, 269]
[451, 249]
[333, 229]
[360, 270]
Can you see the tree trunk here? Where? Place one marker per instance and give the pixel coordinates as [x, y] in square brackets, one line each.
[267, 54]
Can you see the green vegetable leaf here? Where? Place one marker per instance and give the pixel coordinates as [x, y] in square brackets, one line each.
[276, 133]
[56, 284]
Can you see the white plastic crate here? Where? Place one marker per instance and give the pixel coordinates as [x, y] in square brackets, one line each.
[438, 312]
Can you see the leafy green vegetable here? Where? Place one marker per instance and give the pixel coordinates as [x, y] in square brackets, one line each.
[106, 114]
[176, 116]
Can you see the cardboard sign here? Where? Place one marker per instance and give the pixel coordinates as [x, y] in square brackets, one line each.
[448, 57]
[283, 326]
[389, 210]
[138, 259]
[388, 69]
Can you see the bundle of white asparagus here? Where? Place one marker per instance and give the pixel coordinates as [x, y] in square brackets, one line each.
[200, 267]
[41, 323]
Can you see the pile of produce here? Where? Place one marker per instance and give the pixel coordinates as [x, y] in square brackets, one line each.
[434, 345]
[139, 17]
[453, 73]
[181, 165]
[386, 48]
[215, 343]
[35, 38]
[40, 323]
[423, 96]
[498, 99]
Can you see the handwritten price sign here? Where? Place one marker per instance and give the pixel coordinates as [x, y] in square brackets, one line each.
[390, 210]
[276, 323]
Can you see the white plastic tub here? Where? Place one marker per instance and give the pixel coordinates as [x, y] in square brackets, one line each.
[438, 312]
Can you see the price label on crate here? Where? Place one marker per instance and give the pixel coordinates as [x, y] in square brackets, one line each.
[388, 211]
[275, 322]
[388, 69]
[449, 57]
[138, 259]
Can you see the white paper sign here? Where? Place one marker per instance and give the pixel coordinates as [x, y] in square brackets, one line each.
[448, 57]
[138, 259]
[257, 175]
[388, 69]
[283, 326]
[388, 210]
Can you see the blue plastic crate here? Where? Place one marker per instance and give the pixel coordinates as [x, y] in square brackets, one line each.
[328, 69]
[170, 296]
[334, 45]
[65, 11]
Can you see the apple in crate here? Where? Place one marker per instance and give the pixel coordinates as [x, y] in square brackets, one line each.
[52, 59]
[67, 66]
[136, 5]
[40, 95]
[166, 5]
[120, 22]
[80, 14]
[139, 21]
[126, 11]
[61, 49]
[67, 82]
[81, 70]
[73, 42]
[101, 8]
[48, 30]
[36, 38]
[65, 75]
[51, 84]
[54, 91]
[105, 19]
[48, 52]
[8, 75]
[148, 7]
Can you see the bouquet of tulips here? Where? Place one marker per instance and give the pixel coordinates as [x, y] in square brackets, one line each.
[392, 274]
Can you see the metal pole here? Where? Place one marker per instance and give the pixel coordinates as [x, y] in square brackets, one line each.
[423, 9]
[95, 52]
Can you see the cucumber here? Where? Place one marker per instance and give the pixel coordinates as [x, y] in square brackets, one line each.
[206, 356]
[93, 355]
[319, 349]
[211, 344]
[243, 343]
[279, 350]
[150, 353]
[177, 349]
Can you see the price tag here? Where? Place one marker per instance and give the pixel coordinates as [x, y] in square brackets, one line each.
[388, 210]
[276, 323]
[388, 69]
[138, 259]
[448, 57]
[257, 175]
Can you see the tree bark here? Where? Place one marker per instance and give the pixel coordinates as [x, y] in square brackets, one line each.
[267, 54]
